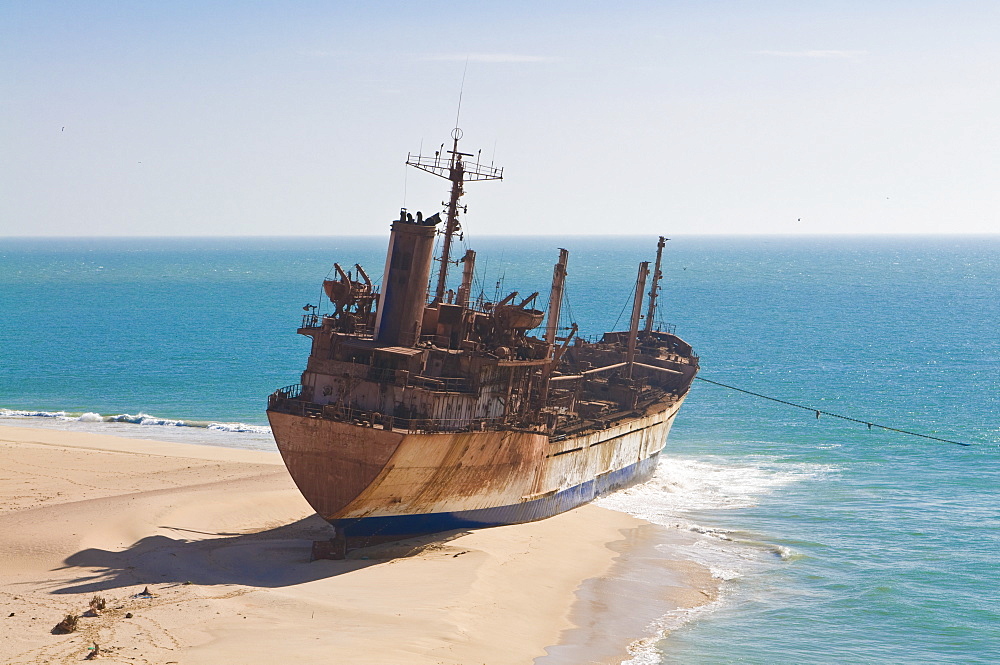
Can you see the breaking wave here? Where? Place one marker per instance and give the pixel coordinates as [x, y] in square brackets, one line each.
[683, 485]
[143, 419]
[685, 494]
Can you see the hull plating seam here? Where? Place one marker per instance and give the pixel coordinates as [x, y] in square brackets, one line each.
[564, 452]
[601, 442]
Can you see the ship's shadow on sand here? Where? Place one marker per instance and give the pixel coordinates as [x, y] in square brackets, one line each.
[276, 557]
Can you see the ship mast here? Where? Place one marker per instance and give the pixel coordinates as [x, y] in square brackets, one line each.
[556, 297]
[458, 171]
[633, 330]
[655, 288]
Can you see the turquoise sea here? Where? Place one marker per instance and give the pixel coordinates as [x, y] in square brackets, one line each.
[837, 543]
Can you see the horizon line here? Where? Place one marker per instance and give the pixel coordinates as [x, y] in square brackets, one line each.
[817, 234]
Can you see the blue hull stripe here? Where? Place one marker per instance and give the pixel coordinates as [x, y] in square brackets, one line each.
[527, 511]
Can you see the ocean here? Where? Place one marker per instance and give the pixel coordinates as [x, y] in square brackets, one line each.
[837, 543]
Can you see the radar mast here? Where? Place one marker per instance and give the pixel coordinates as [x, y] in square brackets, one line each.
[458, 171]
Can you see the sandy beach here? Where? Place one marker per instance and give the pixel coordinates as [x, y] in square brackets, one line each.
[221, 538]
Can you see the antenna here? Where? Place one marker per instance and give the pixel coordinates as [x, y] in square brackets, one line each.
[461, 90]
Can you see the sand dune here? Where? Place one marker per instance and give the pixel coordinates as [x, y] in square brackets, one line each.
[222, 539]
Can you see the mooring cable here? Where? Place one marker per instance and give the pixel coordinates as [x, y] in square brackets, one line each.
[819, 412]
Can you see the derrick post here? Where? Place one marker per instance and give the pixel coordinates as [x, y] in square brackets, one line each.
[655, 288]
[556, 297]
[633, 331]
[464, 291]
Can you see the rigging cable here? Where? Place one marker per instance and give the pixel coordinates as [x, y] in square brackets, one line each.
[631, 296]
[819, 412]
[567, 305]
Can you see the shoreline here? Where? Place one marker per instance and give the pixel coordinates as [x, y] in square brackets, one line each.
[221, 537]
[240, 436]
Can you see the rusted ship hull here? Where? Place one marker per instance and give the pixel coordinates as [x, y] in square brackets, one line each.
[383, 483]
[422, 411]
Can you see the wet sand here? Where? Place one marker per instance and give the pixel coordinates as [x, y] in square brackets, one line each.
[222, 539]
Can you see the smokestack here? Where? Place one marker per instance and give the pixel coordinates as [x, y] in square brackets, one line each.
[404, 285]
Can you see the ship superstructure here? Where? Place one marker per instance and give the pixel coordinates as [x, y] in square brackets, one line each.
[423, 409]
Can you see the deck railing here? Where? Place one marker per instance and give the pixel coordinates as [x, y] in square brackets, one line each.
[288, 400]
[314, 321]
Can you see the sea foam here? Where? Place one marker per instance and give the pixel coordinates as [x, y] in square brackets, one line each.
[683, 485]
[140, 418]
[147, 426]
[683, 490]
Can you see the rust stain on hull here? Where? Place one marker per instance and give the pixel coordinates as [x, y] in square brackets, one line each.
[361, 472]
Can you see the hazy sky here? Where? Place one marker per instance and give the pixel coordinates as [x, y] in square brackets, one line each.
[295, 117]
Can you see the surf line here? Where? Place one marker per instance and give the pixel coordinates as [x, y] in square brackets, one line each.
[819, 412]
